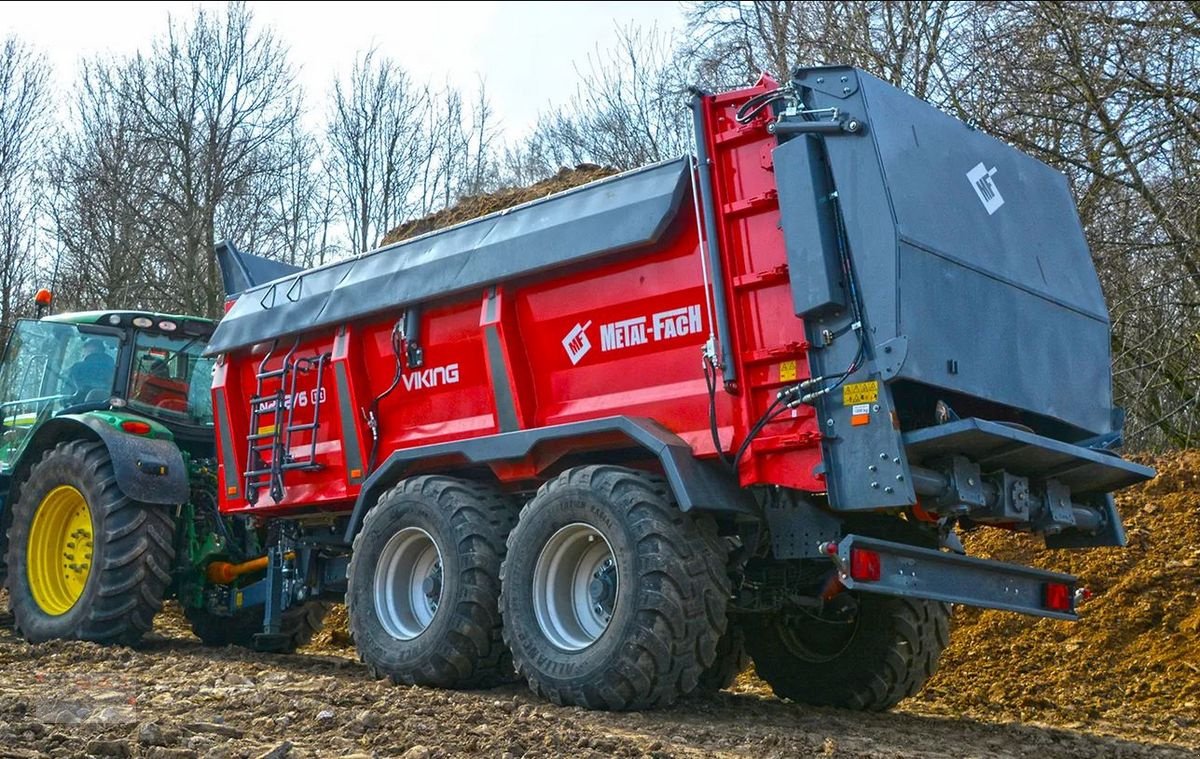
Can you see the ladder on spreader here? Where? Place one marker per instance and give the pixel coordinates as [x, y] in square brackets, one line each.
[272, 422]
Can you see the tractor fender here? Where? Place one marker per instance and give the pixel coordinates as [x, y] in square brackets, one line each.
[148, 470]
[695, 484]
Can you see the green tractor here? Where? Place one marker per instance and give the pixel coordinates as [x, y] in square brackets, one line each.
[107, 487]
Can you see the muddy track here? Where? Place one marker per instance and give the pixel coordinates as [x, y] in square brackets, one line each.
[174, 698]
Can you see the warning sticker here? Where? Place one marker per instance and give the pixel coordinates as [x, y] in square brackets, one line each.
[860, 392]
[787, 371]
[861, 408]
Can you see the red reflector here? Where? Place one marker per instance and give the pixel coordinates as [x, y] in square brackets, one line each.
[135, 427]
[864, 565]
[1056, 596]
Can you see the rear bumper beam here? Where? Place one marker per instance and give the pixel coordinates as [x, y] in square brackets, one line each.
[911, 572]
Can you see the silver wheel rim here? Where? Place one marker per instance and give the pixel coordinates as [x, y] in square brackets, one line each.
[575, 587]
[408, 583]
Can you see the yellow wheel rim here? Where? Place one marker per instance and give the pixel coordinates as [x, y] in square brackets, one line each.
[59, 558]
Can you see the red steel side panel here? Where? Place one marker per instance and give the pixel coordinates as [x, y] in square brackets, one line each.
[621, 337]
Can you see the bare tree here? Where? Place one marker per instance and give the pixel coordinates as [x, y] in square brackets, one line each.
[628, 110]
[378, 148]
[174, 141]
[24, 102]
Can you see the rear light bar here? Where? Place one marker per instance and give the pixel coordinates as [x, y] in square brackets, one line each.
[864, 565]
[1057, 596]
[871, 565]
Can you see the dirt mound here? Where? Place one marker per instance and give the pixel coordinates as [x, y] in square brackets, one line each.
[474, 206]
[1136, 651]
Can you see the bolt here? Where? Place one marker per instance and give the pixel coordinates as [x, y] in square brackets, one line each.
[888, 490]
[873, 468]
[875, 485]
[591, 538]
[598, 609]
[845, 90]
[896, 460]
[608, 563]
[828, 422]
[971, 481]
[820, 80]
[70, 545]
[875, 408]
[845, 79]
[883, 457]
[899, 478]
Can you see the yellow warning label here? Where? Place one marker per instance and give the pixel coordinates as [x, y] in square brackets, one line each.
[787, 371]
[268, 429]
[860, 392]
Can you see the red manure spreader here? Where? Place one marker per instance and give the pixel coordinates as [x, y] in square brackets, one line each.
[616, 440]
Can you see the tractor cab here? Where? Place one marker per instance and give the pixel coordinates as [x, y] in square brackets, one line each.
[134, 366]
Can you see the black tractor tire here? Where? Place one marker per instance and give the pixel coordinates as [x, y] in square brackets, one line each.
[297, 623]
[131, 560]
[461, 644]
[731, 661]
[883, 656]
[668, 611]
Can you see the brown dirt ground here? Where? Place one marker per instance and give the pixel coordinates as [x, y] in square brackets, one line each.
[1123, 682]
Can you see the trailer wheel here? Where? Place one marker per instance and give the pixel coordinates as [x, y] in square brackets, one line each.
[612, 598]
[85, 562]
[298, 623]
[424, 582]
[731, 660]
[884, 655]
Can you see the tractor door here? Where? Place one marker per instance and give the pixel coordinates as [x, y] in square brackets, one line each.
[48, 367]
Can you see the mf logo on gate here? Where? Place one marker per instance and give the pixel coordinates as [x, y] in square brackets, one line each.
[576, 343]
[980, 178]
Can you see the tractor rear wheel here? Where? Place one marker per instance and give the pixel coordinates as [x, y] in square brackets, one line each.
[871, 662]
[612, 597]
[85, 562]
[298, 624]
[424, 584]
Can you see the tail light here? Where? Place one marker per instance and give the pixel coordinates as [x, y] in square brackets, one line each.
[1057, 596]
[864, 565]
[135, 427]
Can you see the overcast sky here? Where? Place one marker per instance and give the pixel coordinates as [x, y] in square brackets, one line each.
[526, 51]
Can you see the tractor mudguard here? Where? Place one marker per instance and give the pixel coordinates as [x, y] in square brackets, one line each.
[695, 484]
[148, 470]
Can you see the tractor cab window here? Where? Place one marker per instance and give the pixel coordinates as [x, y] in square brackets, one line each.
[49, 367]
[169, 378]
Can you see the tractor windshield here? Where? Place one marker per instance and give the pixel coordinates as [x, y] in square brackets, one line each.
[48, 367]
[169, 378]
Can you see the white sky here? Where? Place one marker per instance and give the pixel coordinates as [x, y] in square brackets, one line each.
[525, 51]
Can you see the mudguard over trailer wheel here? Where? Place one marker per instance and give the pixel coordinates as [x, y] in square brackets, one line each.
[612, 597]
[298, 623]
[424, 583]
[85, 561]
[884, 655]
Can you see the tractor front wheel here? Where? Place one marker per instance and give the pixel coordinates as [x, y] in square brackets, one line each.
[298, 624]
[85, 562]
